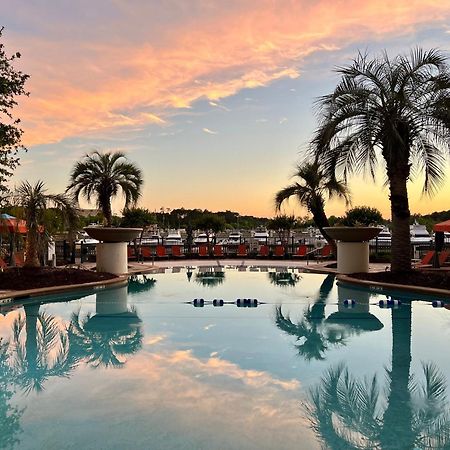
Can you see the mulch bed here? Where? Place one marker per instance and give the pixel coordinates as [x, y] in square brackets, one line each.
[431, 279]
[32, 278]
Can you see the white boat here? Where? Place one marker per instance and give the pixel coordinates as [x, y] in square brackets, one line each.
[153, 239]
[383, 239]
[202, 238]
[85, 239]
[419, 235]
[173, 238]
[261, 236]
[234, 238]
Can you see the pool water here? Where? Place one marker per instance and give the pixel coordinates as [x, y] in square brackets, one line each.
[141, 367]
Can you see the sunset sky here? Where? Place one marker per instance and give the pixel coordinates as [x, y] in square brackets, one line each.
[212, 99]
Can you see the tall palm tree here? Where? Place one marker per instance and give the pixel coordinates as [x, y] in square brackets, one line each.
[103, 175]
[399, 108]
[35, 200]
[348, 413]
[10, 415]
[311, 190]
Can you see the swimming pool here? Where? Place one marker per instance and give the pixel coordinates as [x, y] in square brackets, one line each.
[143, 367]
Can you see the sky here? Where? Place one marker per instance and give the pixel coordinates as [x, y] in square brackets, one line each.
[213, 100]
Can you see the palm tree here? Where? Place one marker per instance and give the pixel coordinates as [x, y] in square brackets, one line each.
[311, 190]
[347, 413]
[103, 175]
[41, 351]
[397, 107]
[9, 415]
[35, 200]
[105, 340]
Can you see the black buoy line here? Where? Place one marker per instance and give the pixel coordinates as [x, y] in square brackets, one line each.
[218, 302]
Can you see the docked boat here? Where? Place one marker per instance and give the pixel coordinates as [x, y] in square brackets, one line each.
[383, 239]
[202, 239]
[419, 235]
[234, 238]
[173, 238]
[261, 236]
[153, 239]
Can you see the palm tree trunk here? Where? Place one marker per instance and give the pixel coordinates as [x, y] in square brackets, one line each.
[400, 214]
[321, 220]
[32, 259]
[106, 209]
[397, 420]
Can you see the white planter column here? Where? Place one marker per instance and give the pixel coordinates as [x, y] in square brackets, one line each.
[352, 257]
[112, 257]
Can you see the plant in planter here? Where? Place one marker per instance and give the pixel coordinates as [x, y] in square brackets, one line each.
[103, 176]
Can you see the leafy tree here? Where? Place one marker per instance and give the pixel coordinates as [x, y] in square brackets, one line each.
[282, 224]
[399, 108]
[104, 175]
[311, 190]
[362, 216]
[137, 217]
[12, 84]
[210, 222]
[35, 200]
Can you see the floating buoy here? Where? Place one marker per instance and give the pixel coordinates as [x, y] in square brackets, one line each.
[247, 302]
[393, 302]
[383, 303]
[199, 302]
[438, 304]
[349, 302]
[217, 302]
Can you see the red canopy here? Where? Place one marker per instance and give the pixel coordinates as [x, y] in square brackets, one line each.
[13, 225]
[443, 226]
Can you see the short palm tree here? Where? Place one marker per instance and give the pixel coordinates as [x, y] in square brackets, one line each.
[398, 109]
[311, 190]
[34, 199]
[103, 175]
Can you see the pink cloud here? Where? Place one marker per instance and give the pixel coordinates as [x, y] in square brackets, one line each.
[152, 62]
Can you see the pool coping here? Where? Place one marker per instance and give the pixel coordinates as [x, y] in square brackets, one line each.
[381, 287]
[8, 297]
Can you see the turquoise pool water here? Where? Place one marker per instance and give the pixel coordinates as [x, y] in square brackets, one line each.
[142, 367]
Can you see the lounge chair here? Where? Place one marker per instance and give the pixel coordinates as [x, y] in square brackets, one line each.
[242, 250]
[218, 251]
[130, 253]
[427, 260]
[161, 251]
[324, 252]
[146, 253]
[263, 251]
[203, 251]
[301, 252]
[279, 251]
[176, 251]
[19, 259]
[443, 256]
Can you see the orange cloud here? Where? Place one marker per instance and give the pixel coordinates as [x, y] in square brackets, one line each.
[107, 81]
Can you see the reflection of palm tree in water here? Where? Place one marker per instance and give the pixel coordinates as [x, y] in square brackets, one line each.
[105, 340]
[284, 278]
[140, 283]
[210, 278]
[9, 415]
[315, 333]
[346, 413]
[45, 352]
[310, 330]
